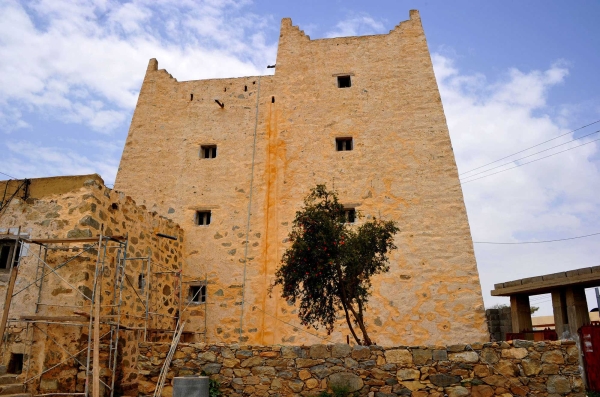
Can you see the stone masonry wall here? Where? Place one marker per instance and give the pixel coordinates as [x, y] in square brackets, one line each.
[499, 323]
[83, 212]
[280, 132]
[520, 368]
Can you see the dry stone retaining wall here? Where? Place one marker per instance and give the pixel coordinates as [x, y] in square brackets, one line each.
[521, 368]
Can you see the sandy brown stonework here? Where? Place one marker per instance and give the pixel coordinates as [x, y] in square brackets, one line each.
[81, 207]
[401, 167]
[516, 368]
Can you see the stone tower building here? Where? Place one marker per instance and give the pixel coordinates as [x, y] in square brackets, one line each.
[230, 160]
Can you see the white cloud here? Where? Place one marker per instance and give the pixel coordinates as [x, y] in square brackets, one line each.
[33, 160]
[548, 199]
[356, 25]
[60, 58]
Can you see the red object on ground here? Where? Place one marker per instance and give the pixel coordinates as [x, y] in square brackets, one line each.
[538, 336]
[590, 346]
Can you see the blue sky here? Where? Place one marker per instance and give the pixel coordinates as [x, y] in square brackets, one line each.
[511, 74]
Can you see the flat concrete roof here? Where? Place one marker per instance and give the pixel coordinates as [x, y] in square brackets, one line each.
[586, 277]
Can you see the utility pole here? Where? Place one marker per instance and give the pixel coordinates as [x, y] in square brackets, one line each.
[598, 298]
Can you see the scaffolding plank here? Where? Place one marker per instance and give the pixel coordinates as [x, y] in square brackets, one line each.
[53, 318]
[72, 240]
[102, 317]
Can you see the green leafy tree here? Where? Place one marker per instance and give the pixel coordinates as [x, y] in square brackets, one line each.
[329, 266]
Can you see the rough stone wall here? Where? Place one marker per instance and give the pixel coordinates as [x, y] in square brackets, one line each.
[520, 368]
[499, 323]
[172, 127]
[402, 168]
[83, 212]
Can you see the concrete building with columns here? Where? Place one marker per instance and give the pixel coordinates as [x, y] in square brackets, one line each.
[569, 302]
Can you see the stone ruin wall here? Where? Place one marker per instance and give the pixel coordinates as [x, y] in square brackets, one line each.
[402, 168]
[81, 213]
[516, 368]
[499, 323]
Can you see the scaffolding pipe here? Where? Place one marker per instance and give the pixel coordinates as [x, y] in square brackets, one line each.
[30, 343]
[89, 346]
[71, 356]
[148, 263]
[205, 305]
[124, 262]
[94, 324]
[53, 269]
[37, 269]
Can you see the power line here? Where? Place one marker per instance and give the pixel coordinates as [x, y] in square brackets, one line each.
[529, 155]
[531, 147]
[537, 242]
[532, 161]
[10, 176]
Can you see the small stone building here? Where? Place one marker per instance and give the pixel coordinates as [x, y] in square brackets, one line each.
[75, 242]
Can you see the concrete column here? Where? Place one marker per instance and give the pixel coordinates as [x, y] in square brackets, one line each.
[577, 311]
[559, 306]
[520, 311]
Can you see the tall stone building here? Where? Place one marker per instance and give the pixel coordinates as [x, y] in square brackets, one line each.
[230, 160]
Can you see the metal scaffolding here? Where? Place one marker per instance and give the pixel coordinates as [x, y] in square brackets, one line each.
[98, 312]
[89, 314]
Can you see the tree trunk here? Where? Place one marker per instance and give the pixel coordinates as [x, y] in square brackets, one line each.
[361, 324]
[345, 302]
[349, 322]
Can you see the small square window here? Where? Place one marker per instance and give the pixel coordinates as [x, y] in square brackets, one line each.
[15, 365]
[6, 254]
[203, 218]
[343, 144]
[208, 151]
[350, 215]
[197, 293]
[141, 282]
[344, 82]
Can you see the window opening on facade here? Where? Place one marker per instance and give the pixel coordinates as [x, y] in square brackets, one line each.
[245, 88]
[343, 144]
[350, 215]
[15, 365]
[197, 293]
[141, 282]
[203, 218]
[344, 82]
[208, 151]
[191, 97]
[272, 99]
[6, 254]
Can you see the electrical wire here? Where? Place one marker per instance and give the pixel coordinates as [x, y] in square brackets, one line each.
[531, 147]
[537, 242]
[533, 154]
[10, 176]
[532, 161]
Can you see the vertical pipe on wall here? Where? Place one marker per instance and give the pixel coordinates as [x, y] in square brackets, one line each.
[249, 212]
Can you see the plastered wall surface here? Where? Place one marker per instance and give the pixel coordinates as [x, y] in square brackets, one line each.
[84, 212]
[402, 168]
